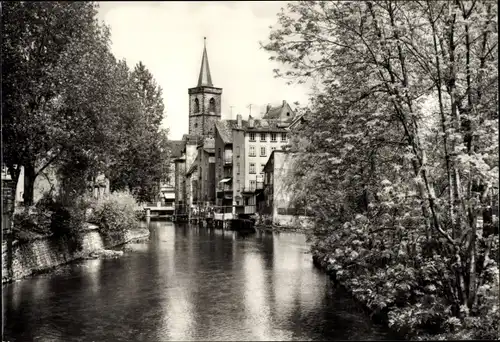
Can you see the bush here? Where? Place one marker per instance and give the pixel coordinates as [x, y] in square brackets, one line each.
[116, 213]
[34, 221]
[60, 218]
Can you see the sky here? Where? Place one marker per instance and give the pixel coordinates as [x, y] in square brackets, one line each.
[168, 38]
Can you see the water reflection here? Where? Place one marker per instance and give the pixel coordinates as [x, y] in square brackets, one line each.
[188, 283]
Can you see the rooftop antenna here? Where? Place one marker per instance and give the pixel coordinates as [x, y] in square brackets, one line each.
[250, 106]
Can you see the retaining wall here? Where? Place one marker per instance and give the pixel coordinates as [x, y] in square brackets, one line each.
[46, 253]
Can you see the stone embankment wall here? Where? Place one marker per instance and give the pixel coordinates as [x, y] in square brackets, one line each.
[46, 253]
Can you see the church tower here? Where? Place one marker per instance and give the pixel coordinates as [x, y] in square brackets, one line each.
[204, 102]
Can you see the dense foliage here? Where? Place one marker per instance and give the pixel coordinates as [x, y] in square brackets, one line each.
[399, 156]
[116, 213]
[67, 103]
[52, 217]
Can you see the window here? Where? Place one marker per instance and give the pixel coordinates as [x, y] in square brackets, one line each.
[237, 152]
[219, 153]
[252, 151]
[238, 168]
[252, 167]
[252, 136]
[252, 185]
[262, 168]
[273, 149]
[196, 105]
[283, 136]
[211, 105]
[262, 151]
[273, 137]
[262, 136]
[238, 185]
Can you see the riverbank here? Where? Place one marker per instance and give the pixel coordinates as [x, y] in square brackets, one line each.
[381, 314]
[278, 229]
[46, 253]
[325, 263]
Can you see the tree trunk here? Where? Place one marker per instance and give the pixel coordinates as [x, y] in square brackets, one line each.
[29, 183]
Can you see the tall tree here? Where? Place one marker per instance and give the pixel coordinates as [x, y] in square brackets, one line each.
[143, 160]
[403, 133]
[55, 64]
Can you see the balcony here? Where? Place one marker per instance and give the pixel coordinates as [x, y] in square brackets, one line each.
[249, 209]
[253, 188]
[228, 161]
[225, 188]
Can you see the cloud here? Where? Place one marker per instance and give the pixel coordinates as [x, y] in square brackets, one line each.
[168, 38]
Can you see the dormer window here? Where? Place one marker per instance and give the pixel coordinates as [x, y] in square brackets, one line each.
[287, 113]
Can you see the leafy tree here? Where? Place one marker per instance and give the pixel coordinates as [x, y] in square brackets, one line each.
[65, 97]
[143, 161]
[55, 68]
[150, 95]
[400, 155]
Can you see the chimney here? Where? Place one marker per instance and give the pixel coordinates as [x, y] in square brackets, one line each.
[250, 121]
[238, 119]
[268, 107]
[284, 103]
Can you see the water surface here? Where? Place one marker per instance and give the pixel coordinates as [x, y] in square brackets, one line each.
[188, 283]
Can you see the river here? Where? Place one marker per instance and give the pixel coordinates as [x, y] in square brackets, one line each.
[188, 283]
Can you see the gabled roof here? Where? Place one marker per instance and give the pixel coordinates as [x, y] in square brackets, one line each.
[208, 142]
[192, 169]
[176, 148]
[299, 119]
[261, 125]
[225, 129]
[279, 112]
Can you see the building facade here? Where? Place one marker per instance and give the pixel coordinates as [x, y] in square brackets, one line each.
[205, 162]
[253, 143]
[224, 164]
[275, 201]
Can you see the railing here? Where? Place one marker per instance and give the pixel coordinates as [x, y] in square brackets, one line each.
[252, 188]
[249, 209]
[223, 216]
[158, 205]
[227, 188]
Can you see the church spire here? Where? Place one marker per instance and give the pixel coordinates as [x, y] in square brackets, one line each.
[205, 79]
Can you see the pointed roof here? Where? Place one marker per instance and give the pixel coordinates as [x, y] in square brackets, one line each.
[205, 79]
[283, 112]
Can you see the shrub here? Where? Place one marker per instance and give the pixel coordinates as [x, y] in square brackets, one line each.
[60, 217]
[116, 213]
[34, 221]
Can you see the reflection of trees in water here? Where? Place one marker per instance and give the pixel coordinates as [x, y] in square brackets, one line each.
[195, 284]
